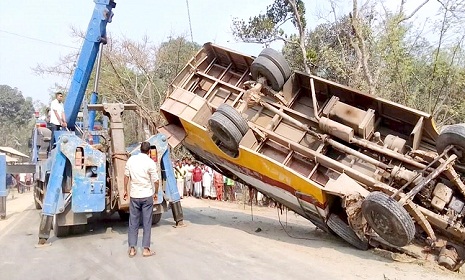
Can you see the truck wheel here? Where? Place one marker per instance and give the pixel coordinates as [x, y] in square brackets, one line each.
[452, 135]
[78, 229]
[388, 219]
[264, 67]
[225, 130]
[234, 116]
[156, 218]
[343, 230]
[37, 196]
[279, 60]
[60, 231]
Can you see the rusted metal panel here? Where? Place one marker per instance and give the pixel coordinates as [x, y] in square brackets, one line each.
[174, 133]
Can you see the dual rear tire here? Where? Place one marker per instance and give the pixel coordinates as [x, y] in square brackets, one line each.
[271, 65]
[228, 127]
[227, 124]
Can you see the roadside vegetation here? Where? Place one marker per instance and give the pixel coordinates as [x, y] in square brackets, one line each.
[409, 52]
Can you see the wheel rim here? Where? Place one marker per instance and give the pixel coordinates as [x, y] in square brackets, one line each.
[264, 67]
[388, 219]
[382, 224]
[225, 131]
[223, 135]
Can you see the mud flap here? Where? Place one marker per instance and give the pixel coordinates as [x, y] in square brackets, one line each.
[69, 218]
[352, 195]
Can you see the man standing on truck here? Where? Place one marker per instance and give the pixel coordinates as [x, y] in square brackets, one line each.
[142, 171]
[57, 116]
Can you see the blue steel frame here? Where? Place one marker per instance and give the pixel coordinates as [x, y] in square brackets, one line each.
[3, 191]
[96, 34]
[160, 142]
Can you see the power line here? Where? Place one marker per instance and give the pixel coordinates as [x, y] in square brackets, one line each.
[189, 16]
[39, 40]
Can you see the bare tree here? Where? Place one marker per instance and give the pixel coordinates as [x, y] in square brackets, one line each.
[267, 27]
[136, 72]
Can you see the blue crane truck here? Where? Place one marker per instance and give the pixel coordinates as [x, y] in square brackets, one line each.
[74, 178]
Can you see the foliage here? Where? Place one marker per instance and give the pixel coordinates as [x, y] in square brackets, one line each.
[16, 118]
[328, 51]
[268, 27]
[382, 51]
[14, 108]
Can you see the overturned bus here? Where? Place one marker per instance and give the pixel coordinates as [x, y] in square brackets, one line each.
[369, 170]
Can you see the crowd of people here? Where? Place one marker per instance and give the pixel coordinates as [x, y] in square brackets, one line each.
[201, 181]
[22, 182]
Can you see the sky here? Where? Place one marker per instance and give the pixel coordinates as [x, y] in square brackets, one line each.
[39, 32]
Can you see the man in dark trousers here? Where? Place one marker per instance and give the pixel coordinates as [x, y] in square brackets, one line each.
[142, 171]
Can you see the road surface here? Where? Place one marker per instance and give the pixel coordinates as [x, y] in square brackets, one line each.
[221, 241]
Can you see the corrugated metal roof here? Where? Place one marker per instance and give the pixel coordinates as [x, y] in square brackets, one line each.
[9, 150]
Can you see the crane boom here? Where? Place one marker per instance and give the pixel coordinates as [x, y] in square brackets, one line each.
[96, 35]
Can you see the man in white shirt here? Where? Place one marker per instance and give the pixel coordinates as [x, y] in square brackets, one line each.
[143, 172]
[189, 185]
[57, 116]
[207, 181]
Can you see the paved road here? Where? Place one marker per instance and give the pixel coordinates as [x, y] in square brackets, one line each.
[221, 241]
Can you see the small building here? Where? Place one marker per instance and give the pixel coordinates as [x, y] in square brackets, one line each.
[13, 156]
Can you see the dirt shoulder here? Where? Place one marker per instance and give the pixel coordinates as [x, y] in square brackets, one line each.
[286, 226]
[16, 203]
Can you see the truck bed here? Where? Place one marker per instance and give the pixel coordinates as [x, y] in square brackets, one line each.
[317, 147]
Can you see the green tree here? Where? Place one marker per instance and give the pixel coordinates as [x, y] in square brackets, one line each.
[16, 118]
[14, 108]
[381, 51]
[268, 27]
